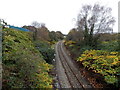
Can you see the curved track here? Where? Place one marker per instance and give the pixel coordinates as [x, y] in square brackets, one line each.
[69, 76]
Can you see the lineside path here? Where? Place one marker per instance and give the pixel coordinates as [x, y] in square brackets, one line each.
[68, 75]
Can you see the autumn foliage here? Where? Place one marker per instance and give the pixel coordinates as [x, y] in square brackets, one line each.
[102, 62]
[23, 64]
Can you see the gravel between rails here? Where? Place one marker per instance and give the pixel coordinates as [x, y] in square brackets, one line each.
[69, 76]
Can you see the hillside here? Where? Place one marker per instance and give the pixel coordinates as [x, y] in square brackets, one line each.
[23, 64]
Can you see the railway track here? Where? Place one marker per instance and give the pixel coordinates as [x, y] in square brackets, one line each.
[73, 76]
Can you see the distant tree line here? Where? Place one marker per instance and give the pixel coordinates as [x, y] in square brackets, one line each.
[41, 32]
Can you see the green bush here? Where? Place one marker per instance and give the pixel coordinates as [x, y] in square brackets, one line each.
[46, 50]
[23, 65]
[84, 48]
[109, 46]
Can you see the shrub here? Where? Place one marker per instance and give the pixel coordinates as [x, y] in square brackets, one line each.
[109, 46]
[23, 65]
[103, 62]
[46, 50]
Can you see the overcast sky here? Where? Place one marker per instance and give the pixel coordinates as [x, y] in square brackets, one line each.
[58, 15]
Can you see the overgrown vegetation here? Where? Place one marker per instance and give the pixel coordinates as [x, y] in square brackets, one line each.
[45, 48]
[102, 62]
[109, 46]
[23, 64]
[94, 44]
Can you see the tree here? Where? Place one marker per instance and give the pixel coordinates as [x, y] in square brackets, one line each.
[59, 35]
[56, 36]
[37, 24]
[2, 24]
[94, 20]
[43, 33]
[75, 35]
[53, 36]
[40, 31]
[32, 29]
